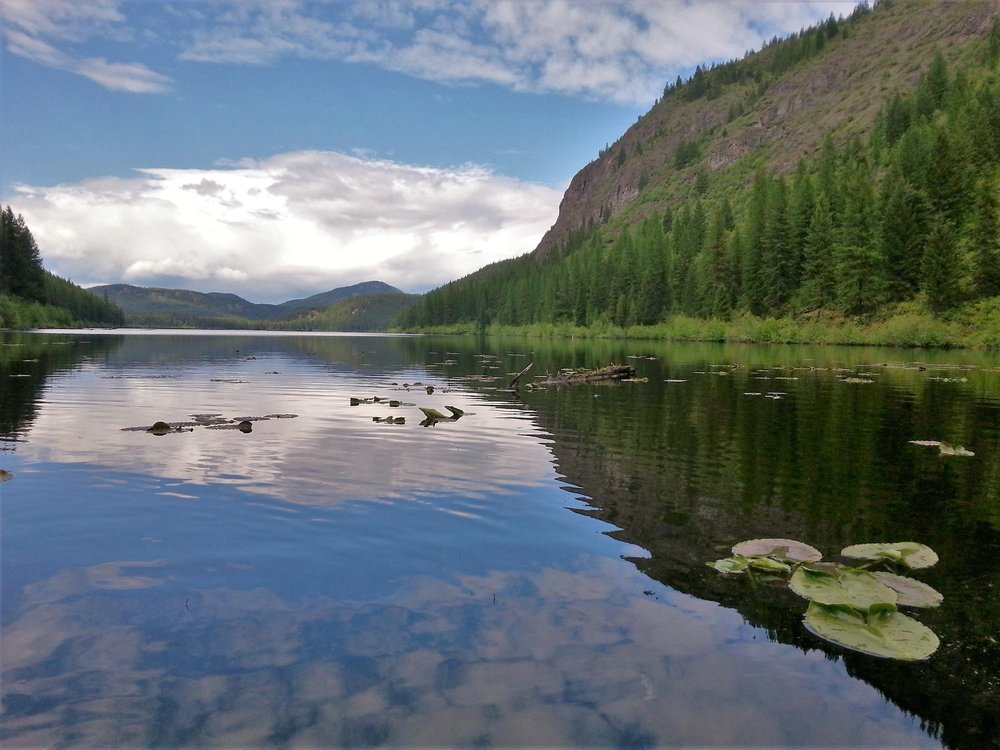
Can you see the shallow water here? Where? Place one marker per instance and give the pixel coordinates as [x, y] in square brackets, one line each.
[531, 574]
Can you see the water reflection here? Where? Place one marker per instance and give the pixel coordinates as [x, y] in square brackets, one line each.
[328, 580]
[688, 470]
[568, 657]
[171, 378]
[27, 361]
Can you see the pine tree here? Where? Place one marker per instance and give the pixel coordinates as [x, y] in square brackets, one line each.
[933, 88]
[817, 290]
[939, 268]
[21, 272]
[752, 244]
[777, 264]
[860, 278]
[898, 115]
[946, 179]
[903, 227]
[985, 241]
[802, 204]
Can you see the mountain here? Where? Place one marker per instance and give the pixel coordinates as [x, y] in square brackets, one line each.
[326, 299]
[137, 300]
[366, 312]
[155, 305]
[845, 170]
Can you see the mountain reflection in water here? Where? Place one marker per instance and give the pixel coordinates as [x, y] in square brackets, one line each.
[328, 580]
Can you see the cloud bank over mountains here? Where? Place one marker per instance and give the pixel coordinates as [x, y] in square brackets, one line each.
[292, 224]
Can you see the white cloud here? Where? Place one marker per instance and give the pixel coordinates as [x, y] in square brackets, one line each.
[616, 50]
[612, 50]
[292, 224]
[32, 29]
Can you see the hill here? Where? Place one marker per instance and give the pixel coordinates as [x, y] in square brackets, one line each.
[326, 299]
[844, 171]
[156, 306]
[32, 297]
[367, 312]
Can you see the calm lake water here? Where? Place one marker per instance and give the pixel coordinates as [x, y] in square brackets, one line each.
[532, 574]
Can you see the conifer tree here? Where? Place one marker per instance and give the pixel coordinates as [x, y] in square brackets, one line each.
[946, 177]
[21, 273]
[777, 264]
[903, 226]
[985, 244]
[939, 268]
[817, 288]
[802, 204]
[933, 88]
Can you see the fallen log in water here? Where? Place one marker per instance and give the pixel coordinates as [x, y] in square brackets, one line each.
[603, 374]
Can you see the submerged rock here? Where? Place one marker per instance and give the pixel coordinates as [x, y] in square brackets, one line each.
[160, 428]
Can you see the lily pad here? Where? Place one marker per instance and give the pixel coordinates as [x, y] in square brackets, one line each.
[883, 633]
[909, 554]
[910, 592]
[844, 586]
[768, 565]
[779, 549]
[730, 564]
[954, 450]
[455, 411]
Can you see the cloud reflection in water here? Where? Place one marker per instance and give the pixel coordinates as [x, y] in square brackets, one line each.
[560, 657]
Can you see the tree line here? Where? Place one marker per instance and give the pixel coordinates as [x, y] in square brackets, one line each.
[912, 213]
[32, 297]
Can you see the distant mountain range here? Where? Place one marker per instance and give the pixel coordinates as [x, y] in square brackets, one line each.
[153, 304]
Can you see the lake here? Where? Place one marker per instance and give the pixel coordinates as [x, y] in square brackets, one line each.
[530, 574]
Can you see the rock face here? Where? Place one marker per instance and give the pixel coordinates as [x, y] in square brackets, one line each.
[840, 90]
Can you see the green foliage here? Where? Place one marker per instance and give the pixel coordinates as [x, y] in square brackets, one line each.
[84, 306]
[21, 273]
[31, 297]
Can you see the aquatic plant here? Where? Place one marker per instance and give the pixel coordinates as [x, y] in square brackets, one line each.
[852, 606]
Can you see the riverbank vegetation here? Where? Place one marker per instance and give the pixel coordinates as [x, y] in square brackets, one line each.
[974, 325]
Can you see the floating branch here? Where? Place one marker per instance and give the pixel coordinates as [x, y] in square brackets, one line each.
[603, 374]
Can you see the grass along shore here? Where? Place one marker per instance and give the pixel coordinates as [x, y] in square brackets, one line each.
[974, 326]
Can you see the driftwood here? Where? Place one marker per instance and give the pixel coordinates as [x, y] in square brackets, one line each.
[603, 374]
[512, 385]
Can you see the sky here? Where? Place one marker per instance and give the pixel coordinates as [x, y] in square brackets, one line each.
[281, 148]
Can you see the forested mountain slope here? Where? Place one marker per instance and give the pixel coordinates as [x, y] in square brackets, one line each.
[849, 167]
[31, 297]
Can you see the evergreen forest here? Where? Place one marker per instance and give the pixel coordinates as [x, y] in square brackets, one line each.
[903, 217]
[31, 297]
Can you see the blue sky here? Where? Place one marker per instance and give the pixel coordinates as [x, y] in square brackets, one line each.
[277, 148]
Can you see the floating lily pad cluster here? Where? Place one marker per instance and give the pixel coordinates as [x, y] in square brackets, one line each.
[854, 607]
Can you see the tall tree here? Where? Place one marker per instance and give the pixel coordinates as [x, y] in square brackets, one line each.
[939, 268]
[818, 279]
[985, 243]
[903, 226]
[21, 273]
